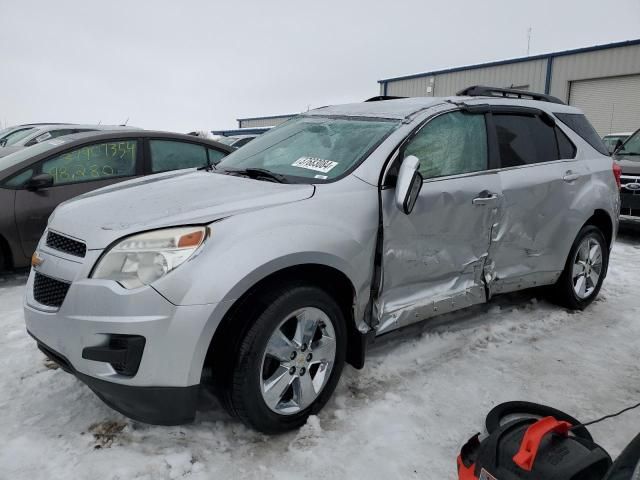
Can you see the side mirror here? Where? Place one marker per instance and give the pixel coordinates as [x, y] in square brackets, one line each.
[42, 180]
[409, 184]
[3, 142]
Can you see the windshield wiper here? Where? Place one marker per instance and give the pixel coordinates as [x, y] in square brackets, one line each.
[257, 173]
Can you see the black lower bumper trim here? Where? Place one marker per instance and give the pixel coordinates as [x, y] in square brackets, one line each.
[154, 405]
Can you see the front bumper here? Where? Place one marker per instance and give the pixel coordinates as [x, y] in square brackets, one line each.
[163, 388]
[155, 405]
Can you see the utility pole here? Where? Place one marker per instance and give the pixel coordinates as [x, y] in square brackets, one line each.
[528, 40]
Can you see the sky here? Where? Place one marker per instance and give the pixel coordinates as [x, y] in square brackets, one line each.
[199, 65]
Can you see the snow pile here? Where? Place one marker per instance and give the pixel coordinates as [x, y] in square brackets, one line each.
[421, 395]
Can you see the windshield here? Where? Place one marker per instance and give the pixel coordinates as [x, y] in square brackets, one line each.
[225, 140]
[21, 155]
[311, 148]
[631, 146]
[15, 137]
[611, 141]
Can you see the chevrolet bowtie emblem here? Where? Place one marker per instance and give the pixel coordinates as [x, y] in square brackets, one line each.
[36, 260]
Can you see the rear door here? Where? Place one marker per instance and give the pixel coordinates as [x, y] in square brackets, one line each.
[540, 179]
[433, 259]
[74, 172]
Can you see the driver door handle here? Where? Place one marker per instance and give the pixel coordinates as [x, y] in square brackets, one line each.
[489, 198]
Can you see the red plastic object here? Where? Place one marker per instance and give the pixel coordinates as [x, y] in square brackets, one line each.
[617, 172]
[526, 456]
[465, 473]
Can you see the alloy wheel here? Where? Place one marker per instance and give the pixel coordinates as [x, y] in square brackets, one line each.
[587, 267]
[297, 361]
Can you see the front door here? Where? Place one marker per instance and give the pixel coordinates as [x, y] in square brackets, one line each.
[435, 259]
[74, 172]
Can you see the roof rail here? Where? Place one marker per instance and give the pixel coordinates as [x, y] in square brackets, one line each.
[483, 91]
[380, 98]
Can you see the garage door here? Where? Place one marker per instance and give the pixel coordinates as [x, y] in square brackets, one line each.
[612, 104]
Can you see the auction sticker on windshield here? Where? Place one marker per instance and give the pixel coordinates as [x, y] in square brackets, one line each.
[315, 163]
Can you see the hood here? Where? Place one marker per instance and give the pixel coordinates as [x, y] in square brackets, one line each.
[171, 199]
[4, 151]
[630, 165]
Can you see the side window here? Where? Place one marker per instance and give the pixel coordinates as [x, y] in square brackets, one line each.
[171, 155]
[579, 124]
[524, 140]
[216, 155]
[93, 162]
[20, 179]
[566, 147]
[450, 144]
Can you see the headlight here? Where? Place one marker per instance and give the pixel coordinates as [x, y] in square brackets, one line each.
[142, 259]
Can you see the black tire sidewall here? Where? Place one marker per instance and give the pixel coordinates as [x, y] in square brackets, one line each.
[567, 294]
[246, 395]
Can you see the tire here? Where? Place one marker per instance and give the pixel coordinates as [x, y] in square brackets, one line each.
[567, 292]
[276, 382]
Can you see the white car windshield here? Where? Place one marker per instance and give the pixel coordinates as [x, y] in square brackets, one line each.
[15, 137]
[631, 147]
[311, 149]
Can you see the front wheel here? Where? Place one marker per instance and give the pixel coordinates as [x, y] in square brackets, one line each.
[290, 360]
[584, 271]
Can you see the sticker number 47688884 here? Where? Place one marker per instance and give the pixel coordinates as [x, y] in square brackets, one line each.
[315, 163]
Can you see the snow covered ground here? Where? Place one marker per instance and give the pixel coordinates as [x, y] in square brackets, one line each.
[420, 396]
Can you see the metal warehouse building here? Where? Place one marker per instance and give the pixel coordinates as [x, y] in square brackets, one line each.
[272, 121]
[603, 80]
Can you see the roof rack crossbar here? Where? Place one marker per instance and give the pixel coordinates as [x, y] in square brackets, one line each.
[484, 91]
[381, 98]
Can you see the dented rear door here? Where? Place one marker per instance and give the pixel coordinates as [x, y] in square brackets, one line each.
[435, 259]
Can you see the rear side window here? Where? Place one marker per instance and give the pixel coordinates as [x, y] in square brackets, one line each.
[524, 140]
[579, 124]
[171, 155]
[566, 147]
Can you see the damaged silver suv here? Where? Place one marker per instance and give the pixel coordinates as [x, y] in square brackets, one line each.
[263, 276]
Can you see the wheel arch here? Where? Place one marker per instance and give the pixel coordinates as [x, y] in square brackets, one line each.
[229, 332]
[603, 221]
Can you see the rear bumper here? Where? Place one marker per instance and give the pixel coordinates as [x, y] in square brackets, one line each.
[155, 405]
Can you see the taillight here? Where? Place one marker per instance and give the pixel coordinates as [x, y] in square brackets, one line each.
[617, 172]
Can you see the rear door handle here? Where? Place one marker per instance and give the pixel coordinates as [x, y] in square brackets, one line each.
[492, 197]
[570, 176]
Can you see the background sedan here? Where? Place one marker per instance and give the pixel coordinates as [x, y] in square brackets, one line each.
[35, 180]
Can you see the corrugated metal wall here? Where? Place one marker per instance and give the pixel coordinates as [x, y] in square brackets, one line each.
[530, 75]
[601, 63]
[607, 62]
[262, 122]
[412, 87]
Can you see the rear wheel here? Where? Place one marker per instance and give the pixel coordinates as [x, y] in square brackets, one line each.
[290, 360]
[584, 271]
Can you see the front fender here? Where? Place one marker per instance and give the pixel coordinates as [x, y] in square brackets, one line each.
[337, 231]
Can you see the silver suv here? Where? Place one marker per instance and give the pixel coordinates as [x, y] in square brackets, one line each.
[262, 277]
